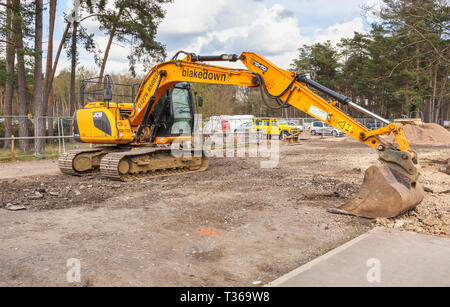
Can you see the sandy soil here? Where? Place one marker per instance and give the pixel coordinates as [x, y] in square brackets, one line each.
[228, 226]
[432, 216]
[25, 168]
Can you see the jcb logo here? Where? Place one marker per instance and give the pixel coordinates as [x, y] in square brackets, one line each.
[260, 66]
[98, 115]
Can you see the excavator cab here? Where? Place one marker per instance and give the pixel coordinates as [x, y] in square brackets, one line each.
[105, 117]
[173, 114]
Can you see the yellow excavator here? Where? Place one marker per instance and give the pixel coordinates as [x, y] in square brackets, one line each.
[136, 135]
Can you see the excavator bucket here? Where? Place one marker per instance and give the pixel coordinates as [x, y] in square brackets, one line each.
[386, 192]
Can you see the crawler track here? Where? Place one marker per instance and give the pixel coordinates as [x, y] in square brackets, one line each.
[148, 163]
[65, 161]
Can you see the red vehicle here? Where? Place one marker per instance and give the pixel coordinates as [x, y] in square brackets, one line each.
[226, 126]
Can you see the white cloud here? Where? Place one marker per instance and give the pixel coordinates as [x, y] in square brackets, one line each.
[337, 31]
[231, 27]
[234, 26]
[273, 28]
[185, 17]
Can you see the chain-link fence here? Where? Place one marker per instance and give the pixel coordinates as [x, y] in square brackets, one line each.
[247, 129]
[24, 137]
[57, 137]
[248, 123]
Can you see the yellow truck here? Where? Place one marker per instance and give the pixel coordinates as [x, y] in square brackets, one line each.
[274, 126]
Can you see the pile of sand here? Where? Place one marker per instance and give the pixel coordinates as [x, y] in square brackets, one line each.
[426, 134]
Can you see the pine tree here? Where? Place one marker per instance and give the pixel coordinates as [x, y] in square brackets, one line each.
[18, 33]
[49, 67]
[320, 61]
[135, 23]
[78, 35]
[9, 70]
[39, 107]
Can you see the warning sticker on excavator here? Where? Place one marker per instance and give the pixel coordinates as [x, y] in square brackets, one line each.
[318, 112]
[344, 126]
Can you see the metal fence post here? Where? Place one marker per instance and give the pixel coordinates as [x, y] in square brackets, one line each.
[13, 154]
[59, 135]
[62, 134]
[36, 149]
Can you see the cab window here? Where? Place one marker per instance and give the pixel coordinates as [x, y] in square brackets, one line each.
[180, 100]
[317, 124]
[181, 111]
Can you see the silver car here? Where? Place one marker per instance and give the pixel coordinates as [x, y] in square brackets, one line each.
[319, 128]
[244, 128]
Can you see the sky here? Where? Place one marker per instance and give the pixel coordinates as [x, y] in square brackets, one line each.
[273, 28]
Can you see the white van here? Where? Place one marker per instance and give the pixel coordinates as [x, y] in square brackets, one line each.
[225, 123]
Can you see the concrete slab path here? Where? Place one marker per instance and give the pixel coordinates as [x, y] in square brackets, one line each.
[381, 257]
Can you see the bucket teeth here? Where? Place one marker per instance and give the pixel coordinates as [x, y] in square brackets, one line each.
[386, 192]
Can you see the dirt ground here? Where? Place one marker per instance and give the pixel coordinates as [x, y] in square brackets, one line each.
[232, 225]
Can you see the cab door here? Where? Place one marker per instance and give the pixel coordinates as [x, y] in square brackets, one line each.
[266, 126]
[256, 125]
[274, 129]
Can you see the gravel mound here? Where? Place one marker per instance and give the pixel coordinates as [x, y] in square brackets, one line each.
[426, 134]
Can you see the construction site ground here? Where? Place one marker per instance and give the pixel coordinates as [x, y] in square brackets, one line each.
[232, 225]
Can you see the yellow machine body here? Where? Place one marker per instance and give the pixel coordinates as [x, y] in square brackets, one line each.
[98, 123]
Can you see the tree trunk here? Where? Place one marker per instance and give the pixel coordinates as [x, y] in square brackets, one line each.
[108, 47]
[18, 40]
[73, 53]
[441, 99]
[50, 114]
[49, 60]
[442, 93]
[39, 106]
[433, 98]
[448, 112]
[50, 77]
[105, 57]
[9, 88]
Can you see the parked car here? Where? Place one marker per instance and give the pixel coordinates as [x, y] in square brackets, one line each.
[290, 126]
[373, 125]
[244, 128]
[225, 123]
[317, 128]
[274, 126]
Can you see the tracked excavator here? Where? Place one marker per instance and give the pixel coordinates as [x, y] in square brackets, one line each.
[135, 136]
